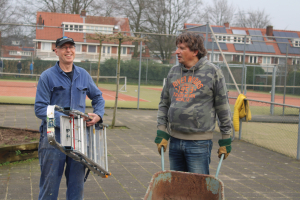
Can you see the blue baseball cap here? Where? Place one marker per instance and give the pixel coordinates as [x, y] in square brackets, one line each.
[63, 40]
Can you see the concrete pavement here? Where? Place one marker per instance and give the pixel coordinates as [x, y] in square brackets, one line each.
[250, 172]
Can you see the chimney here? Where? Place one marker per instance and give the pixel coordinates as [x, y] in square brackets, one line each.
[40, 22]
[83, 13]
[116, 29]
[269, 30]
[226, 24]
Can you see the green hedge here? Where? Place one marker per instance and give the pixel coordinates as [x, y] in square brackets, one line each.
[155, 74]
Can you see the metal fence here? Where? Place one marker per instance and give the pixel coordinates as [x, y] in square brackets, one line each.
[272, 128]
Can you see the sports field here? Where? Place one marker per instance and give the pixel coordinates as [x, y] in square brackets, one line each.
[23, 92]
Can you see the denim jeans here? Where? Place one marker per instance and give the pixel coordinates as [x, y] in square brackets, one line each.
[190, 155]
[52, 164]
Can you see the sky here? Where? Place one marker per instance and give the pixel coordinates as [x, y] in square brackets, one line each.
[284, 14]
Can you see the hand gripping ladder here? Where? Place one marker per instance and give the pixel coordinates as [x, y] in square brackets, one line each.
[86, 145]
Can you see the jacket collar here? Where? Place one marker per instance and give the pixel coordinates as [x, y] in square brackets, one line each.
[76, 71]
[197, 66]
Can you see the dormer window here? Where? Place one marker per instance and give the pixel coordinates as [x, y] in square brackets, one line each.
[296, 42]
[233, 39]
[15, 42]
[87, 28]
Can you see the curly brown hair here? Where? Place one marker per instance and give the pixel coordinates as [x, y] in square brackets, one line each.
[193, 41]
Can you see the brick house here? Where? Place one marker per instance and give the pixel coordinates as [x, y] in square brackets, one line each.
[78, 26]
[16, 47]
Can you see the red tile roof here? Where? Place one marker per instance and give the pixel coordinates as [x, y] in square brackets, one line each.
[231, 47]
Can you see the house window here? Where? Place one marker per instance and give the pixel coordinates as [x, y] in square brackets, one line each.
[296, 61]
[26, 53]
[92, 49]
[46, 46]
[106, 50]
[101, 29]
[78, 48]
[253, 59]
[13, 53]
[214, 58]
[233, 39]
[237, 58]
[266, 60]
[15, 42]
[124, 50]
[296, 43]
[274, 60]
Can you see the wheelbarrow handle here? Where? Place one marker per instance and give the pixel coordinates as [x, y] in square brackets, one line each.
[219, 166]
[162, 158]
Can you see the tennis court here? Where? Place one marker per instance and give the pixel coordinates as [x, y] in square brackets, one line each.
[28, 89]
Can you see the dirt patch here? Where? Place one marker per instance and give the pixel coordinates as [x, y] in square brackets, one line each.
[10, 136]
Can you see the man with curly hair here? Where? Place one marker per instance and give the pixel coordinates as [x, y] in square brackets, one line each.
[194, 93]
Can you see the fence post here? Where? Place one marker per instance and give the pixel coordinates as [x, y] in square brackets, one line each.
[206, 37]
[253, 77]
[273, 89]
[284, 89]
[298, 144]
[243, 71]
[240, 131]
[140, 67]
[212, 50]
[245, 90]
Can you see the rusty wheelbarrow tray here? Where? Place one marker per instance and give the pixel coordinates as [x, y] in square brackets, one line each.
[171, 185]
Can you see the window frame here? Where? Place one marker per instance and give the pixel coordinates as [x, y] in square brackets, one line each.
[88, 48]
[265, 60]
[255, 58]
[43, 45]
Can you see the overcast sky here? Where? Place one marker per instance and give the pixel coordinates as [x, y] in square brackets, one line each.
[284, 14]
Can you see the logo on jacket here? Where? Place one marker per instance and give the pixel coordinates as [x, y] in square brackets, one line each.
[185, 88]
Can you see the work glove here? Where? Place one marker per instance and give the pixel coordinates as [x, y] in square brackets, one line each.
[225, 147]
[162, 140]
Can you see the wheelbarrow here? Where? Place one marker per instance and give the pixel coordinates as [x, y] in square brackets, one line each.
[172, 185]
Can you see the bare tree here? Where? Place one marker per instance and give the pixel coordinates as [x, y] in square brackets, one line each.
[105, 8]
[7, 11]
[218, 13]
[166, 17]
[59, 6]
[252, 19]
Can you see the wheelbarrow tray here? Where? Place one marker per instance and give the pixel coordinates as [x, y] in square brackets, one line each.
[167, 185]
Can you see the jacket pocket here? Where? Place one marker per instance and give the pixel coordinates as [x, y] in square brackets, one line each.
[81, 96]
[58, 95]
[182, 119]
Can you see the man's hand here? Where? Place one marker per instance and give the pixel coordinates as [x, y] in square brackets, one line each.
[225, 147]
[93, 121]
[162, 140]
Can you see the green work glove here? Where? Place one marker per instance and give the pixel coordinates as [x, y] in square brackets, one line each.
[162, 140]
[225, 147]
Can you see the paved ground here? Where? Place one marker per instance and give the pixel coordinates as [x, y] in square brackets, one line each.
[250, 172]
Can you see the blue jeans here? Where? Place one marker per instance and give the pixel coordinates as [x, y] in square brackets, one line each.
[52, 163]
[190, 155]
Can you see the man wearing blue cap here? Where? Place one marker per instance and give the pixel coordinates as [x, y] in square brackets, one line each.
[65, 85]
